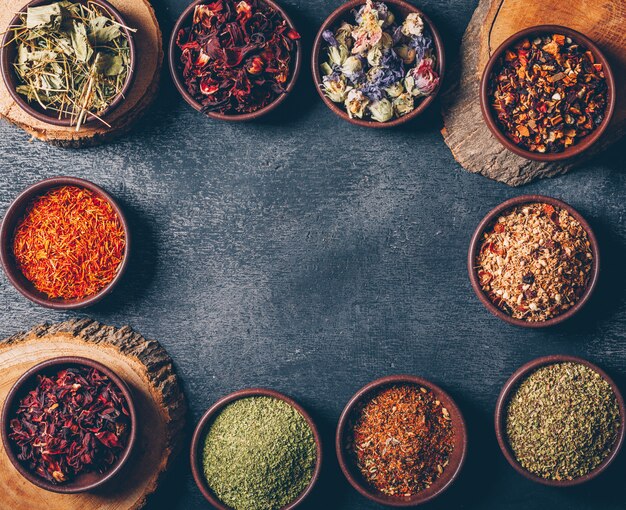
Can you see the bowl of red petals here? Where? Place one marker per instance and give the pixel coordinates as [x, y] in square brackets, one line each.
[234, 60]
[547, 93]
[69, 425]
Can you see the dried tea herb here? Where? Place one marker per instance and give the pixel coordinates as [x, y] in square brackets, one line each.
[402, 440]
[380, 68]
[74, 422]
[534, 262]
[259, 454]
[548, 93]
[73, 59]
[70, 243]
[237, 57]
[562, 421]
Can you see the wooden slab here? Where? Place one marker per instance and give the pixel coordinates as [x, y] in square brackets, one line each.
[148, 41]
[145, 367]
[465, 132]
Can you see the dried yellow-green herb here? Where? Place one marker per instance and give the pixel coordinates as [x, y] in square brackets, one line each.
[562, 421]
[72, 59]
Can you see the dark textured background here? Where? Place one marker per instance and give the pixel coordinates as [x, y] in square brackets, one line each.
[311, 256]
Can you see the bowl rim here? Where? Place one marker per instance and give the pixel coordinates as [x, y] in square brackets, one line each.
[475, 244]
[585, 142]
[15, 392]
[500, 414]
[420, 497]
[9, 77]
[15, 212]
[243, 117]
[216, 408]
[340, 13]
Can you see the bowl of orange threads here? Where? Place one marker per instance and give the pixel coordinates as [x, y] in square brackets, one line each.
[64, 243]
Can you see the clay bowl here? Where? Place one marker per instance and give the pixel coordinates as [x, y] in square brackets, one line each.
[8, 54]
[14, 214]
[500, 418]
[401, 9]
[491, 119]
[184, 21]
[197, 443]
[85, 482]
[475, 246]
[347, 464]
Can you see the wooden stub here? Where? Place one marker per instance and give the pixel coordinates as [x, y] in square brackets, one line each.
[145, 367]
[465, 131]
[148, 41]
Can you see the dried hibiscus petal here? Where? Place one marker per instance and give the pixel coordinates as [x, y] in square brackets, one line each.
[237, 56]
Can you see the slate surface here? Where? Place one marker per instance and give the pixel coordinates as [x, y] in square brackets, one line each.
[310, 256]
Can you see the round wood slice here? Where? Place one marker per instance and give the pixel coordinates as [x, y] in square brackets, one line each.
[465, 131]
[145, 367]
[148, 40]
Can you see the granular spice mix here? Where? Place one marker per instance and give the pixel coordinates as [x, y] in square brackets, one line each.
[73, 422]
[548, 93]
[259, 454]
[402, 440]
[534, 262]
[70, 243]
[236, 57]
[562, 421]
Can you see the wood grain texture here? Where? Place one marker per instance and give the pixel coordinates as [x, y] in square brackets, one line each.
[465, 131]
[145, 367]
[138, 14]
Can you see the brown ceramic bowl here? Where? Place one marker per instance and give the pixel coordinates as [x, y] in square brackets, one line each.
[174, 59]
[501, 408]
[8, 54]
[197, 443]
[16, 211]
[401, 9]
[87, 481]
[475, 244]
[347, 464]
[492, 122]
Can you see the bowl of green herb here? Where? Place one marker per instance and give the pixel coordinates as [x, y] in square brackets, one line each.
[256, 448]
[68, 63]
[560, 420]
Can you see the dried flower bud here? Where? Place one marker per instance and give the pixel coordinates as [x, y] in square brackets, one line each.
[403, 104]
[375, 57]
[356, 103]
[406, 53]
[351, 66]
[337, 55]
[381, 111]
[335, 87]
[395, 90]
[413, 25]
[422, 80]
[369, 32]
[343, 35]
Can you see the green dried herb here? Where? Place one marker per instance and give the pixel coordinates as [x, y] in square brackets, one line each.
[72, 59]
[562, 421]
[259, 454]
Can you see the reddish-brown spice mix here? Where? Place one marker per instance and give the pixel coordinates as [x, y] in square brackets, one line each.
[402, 440]
[70, 243]
[534, 262]
[548, 93]
[73, 422]
[237, 57]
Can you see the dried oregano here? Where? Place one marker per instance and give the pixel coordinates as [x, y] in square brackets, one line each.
[562, 421]
[259, 454]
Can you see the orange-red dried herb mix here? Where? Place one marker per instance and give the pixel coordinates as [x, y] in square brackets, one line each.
[70, 243]
[402, 439]
[548, 93]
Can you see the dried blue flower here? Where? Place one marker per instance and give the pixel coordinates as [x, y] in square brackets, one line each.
[329, 37]
[422, 44]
